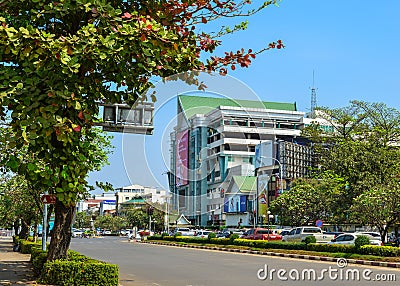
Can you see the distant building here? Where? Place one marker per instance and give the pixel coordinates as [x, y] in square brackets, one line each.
[149, 194]
[103, 204]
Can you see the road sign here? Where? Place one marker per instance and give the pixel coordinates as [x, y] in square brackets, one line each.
[319, 223]
[48, 199]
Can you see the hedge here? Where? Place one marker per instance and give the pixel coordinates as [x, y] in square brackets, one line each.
[342, 248]
[380, 250]
[77, 270]
[318, 247]
[67, 272]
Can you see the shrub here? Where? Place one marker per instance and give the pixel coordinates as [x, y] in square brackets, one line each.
[27, 245]
[360, 241]
[177, 234]
[233, 236]
[38, 259]
[164, 234]
[65, 272]
[320, 247]
[272, 244]
[387, 251]
[310, 239]
[211, 235]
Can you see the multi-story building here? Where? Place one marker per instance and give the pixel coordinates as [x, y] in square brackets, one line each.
[149, 194]
[214, 135]
[103, 204]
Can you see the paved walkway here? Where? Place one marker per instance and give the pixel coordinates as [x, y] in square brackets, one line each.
[15, 268]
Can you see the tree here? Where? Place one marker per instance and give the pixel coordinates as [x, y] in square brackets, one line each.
[108, 222]
[363, 149]
[60, 59]
[19, 205]
[309, 200]
[379, 207]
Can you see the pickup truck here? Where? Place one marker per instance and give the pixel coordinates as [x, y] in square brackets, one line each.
[261, 234]
[298, 234]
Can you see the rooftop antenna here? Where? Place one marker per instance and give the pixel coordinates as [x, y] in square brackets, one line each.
[313, 97]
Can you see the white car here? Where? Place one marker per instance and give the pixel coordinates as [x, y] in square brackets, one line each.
[202, 233]
[77, 233]
[299, 234]
[350, 238]
[185, 231]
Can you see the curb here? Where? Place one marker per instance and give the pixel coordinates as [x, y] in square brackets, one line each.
[287, 255]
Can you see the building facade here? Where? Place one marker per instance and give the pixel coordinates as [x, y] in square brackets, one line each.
[149, 194]
[215, 140]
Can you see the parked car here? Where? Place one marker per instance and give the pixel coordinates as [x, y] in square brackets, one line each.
[77, 233]
[185, 231]
[299, 234]
[202, 233]
[226, 233]
[335, 233]
[262, 234]
[371, 233]
[350, 238]
[285, 231]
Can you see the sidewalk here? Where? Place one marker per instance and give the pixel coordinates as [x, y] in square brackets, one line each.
[15, 268]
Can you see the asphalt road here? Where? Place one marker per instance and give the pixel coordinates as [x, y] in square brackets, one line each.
[145, 265]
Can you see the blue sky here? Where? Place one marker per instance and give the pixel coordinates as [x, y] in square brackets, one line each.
[351, 45]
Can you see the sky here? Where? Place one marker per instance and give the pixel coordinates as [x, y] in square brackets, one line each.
[350, 46]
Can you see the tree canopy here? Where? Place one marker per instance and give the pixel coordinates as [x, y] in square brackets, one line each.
[60, 59]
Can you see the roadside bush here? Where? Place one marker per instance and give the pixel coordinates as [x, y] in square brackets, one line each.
[233, 236]
[272, 244]
[38, 259]
[164, 234]
[387, 251]
[65, 272]
[211, 235]
[220, 241]
[177, 234]
[360, 241]
[321, 247]
[26, 245]
[310, 239]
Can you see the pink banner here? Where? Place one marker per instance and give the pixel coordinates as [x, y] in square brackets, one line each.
[182, 151]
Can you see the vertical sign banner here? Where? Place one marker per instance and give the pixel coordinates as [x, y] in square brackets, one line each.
[262, 189]
[182, 162]
[263, 153]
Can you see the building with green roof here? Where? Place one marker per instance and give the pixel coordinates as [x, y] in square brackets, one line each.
[215, 135]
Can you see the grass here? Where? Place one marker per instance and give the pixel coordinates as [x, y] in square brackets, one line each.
[299, 252]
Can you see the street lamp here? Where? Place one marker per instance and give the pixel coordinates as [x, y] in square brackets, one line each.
[268, 214]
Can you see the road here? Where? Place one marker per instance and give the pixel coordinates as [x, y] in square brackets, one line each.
[144, 265]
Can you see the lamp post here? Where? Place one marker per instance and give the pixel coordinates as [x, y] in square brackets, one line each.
[268, 214]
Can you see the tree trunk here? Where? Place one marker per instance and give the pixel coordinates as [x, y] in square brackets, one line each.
[16, 227]
[24, 229]
[61, 233]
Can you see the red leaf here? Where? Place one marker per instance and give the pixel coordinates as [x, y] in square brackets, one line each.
[204, 20]
[233, 67]
[77, 128]
[80, 115]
